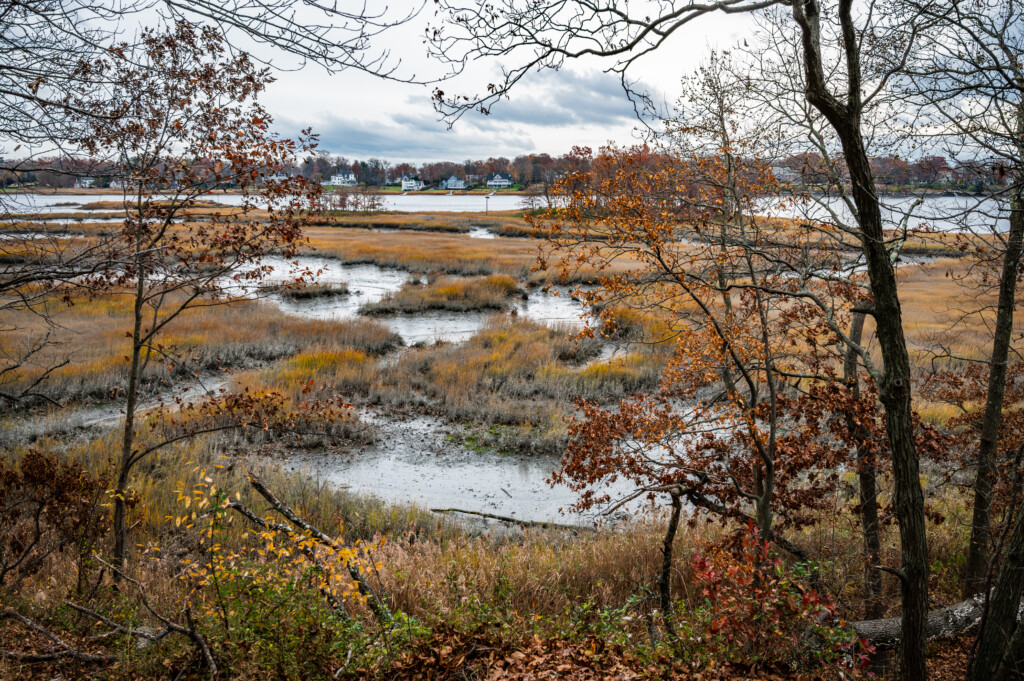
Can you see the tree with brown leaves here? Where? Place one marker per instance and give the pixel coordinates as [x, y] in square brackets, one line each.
[182, 97]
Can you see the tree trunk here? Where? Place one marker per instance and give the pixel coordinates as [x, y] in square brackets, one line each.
[128, 435]
[976, 573]
[895, 394]
[665, 578]
[874, 608]
[1001, 640]
[844, 116]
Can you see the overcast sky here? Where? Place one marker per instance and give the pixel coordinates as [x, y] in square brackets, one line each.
[363, 116]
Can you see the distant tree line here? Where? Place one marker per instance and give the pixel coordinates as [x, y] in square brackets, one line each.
[525, 170]
[807, 169]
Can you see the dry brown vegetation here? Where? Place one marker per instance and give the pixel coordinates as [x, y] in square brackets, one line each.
[430, 252]
[549, 575]
[456, 223]
[444, 293]
[91, 332]
[313, 291]
[515, 380]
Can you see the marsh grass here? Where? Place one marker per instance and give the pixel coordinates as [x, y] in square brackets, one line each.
[541, 574]
[451, 223]
[511, 384]
[494, 292]
[237, 334]
[518, 374]
[316, 372]
[549, 574]
[425, 252]
[943, 319]
[314, 291]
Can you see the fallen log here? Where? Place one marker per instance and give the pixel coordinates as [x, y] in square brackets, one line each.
[516, 521]
[949, 622]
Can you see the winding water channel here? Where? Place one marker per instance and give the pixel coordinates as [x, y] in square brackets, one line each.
[370, 283]
[413, 460]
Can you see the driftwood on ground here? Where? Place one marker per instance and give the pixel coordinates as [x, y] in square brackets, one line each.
[516, 521]
[955, 620]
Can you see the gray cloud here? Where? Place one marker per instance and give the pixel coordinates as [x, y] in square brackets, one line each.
[408, 137]
[567, 98]
[566, 107]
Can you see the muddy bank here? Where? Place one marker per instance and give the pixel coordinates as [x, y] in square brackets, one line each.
[77, 421]
[415, 461]
[368, 284]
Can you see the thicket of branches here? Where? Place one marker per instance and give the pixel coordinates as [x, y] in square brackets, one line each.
[791, 363]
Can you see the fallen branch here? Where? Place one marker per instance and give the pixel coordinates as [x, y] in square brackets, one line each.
[517, 521]
[379, 608]
[116, 628]
[335, 602]
[189, 631]
[63, 651]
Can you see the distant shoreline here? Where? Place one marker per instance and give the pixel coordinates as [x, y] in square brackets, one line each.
[106, 191]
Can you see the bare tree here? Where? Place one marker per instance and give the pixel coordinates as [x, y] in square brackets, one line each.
[186, 122]
[968, 85]
[546, 34]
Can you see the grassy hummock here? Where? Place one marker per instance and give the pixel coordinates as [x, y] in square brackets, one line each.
[476, 294]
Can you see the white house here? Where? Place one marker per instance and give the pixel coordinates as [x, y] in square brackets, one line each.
[499, 180]
[784, 174]
[453, 183]
[411, 184]
[341, 179]
[85, 183]
[276, 177]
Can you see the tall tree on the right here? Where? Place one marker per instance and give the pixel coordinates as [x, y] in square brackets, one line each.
[966, 81]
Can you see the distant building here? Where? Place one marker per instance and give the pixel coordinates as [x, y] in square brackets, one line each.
[499, 180]
[411, 184]
[784, 174]
[276, 177]
[453, 183]
[85, 183]
[341, 180]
